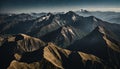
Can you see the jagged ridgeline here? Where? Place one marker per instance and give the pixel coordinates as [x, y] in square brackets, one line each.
[25, 52]
[58, 41]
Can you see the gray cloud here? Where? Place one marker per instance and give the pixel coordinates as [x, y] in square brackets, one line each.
[33, 4]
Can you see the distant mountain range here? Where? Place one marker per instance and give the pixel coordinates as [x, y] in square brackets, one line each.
[58, 41]
[112, 17]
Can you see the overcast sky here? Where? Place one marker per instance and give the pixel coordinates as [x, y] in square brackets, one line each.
[19, 6]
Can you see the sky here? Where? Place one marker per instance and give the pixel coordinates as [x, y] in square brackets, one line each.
[28, 6]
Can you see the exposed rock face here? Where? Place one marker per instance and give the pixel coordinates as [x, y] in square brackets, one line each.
[63, 36]
[67, 27]
[67, 59]
[28, 43]
[24, 54]
[101, 44]
[72, 25]
[17, 44]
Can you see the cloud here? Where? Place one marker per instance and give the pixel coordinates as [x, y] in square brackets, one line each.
[46, 5]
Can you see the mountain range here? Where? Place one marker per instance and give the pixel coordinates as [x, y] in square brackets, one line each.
[23, 51]
[58, 41]
[112, 17]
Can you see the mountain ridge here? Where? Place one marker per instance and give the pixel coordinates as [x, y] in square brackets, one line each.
[43, 54]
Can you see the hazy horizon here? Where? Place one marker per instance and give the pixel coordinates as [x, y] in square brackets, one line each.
[61, 10]
[37, 6]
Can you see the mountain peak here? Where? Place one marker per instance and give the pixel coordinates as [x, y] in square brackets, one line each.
[26, 43]
[93, 18]
[49, 14]
[71, 13]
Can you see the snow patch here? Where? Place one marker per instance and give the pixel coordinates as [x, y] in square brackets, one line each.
[73, 18]
[95, 19]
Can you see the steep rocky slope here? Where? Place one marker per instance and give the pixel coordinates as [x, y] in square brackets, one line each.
[48, 23]
[25, 52]
[101, 44]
